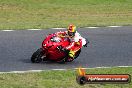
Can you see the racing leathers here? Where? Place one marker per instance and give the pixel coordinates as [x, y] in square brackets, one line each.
[77, 40]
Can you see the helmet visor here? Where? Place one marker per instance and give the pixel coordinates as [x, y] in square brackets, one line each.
[71, 34]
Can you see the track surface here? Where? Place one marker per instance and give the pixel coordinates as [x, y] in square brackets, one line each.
[108, 47]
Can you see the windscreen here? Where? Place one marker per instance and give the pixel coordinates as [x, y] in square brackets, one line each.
[56, 39]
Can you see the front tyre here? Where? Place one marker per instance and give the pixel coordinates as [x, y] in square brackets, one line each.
[68, 59]
[77, 54]
[37, 56]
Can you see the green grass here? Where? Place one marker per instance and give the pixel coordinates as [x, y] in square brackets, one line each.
[59, 79]
[24, 14]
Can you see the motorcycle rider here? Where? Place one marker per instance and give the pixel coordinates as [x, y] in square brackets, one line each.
[75, 39]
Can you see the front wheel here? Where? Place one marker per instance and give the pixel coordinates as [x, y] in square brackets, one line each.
[37, 56]
[77, 54]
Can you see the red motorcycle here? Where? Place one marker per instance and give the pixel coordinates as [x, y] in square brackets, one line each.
[52, 50]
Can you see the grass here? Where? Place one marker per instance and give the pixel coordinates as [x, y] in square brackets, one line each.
[59, 79]
[24, 14]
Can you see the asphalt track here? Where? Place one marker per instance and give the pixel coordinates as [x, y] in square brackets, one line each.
[108, 47]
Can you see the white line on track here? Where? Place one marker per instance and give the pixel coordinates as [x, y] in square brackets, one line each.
[58, 69]
[113, 26]
[18, 71]
[34, 29]
[35, 70]
[124, 66]
[91, 27]
[85, 68]
[103, 67]
[58, 28]
[30, 71]
[7, 30]
[62, 28]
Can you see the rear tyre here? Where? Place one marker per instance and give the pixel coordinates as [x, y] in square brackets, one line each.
[37, 56]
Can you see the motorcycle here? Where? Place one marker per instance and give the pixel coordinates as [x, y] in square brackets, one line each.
[53, 49]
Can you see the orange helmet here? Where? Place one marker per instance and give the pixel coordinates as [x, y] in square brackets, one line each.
[71, 30]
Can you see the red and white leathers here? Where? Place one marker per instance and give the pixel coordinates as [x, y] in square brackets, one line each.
[77, 40]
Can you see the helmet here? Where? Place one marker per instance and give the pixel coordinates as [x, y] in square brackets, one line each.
[71, 30]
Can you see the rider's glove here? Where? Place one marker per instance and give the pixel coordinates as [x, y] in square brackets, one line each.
[85, 45]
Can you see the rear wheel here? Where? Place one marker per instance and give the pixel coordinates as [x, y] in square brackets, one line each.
[37, 56]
